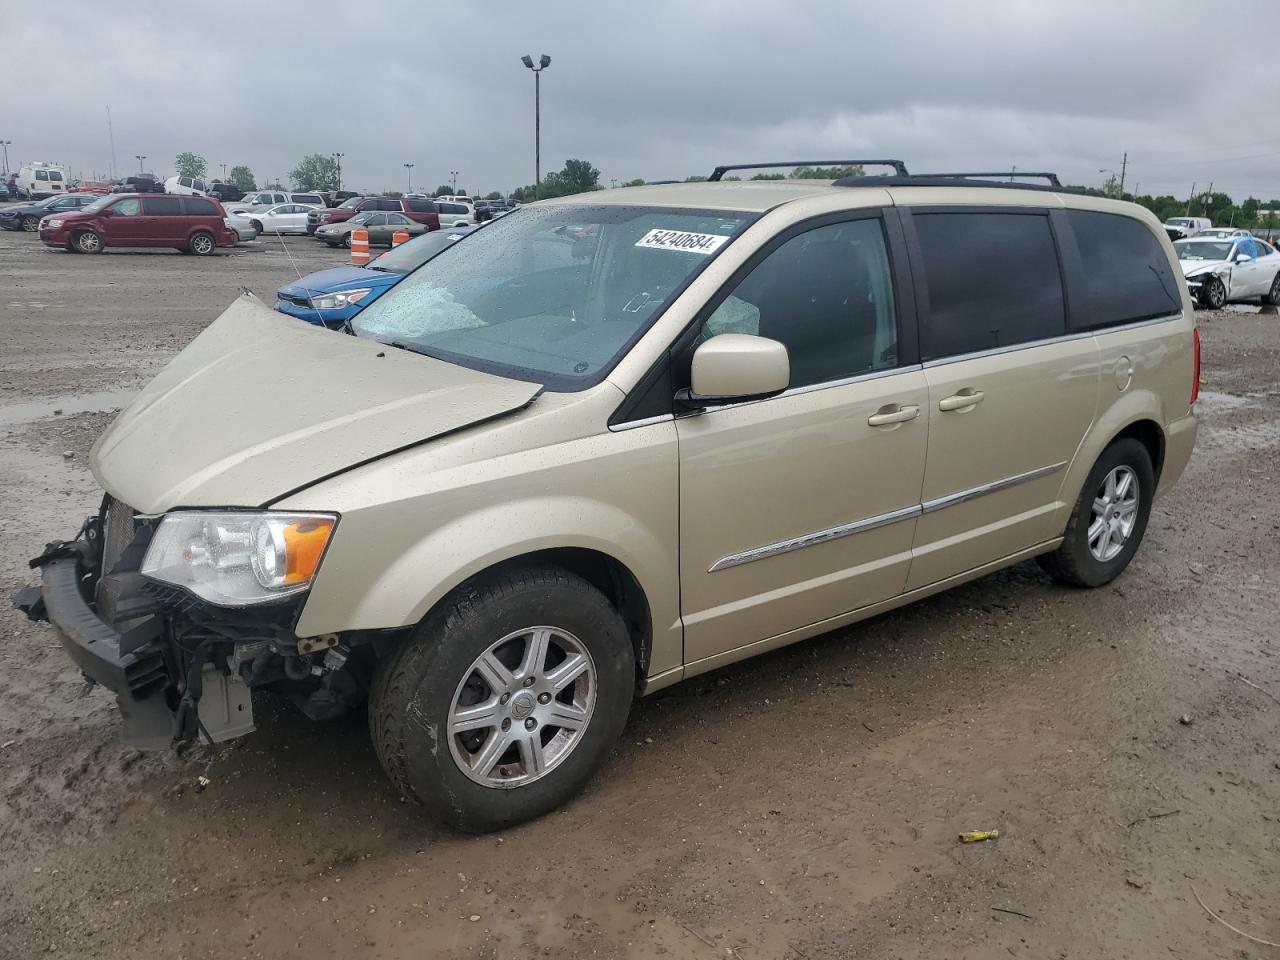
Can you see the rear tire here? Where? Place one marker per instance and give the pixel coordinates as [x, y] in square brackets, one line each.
[493, 776]
[1109, 519]
[1272, 297]
[88, 241]
[202, 244]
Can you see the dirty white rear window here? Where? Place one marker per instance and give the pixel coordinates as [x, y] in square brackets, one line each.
[552, 294]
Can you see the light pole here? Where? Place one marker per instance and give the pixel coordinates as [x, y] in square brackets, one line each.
[224, 172]
[409, 167]
[338, 157]
[140, 157]
[543, 62]
[453, 181]
[5, 144]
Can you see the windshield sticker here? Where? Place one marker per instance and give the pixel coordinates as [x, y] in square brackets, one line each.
[705, 243]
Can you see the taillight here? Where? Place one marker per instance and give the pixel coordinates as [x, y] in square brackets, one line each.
[1195, 368]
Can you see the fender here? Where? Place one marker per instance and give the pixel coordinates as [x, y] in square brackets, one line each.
[368, 589]
[1128, 409]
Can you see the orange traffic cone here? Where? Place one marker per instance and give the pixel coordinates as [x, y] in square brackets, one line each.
[399, 237]
[360, 246]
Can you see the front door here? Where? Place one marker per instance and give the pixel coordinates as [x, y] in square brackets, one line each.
[801, 507]
[1007, 410]
[127, 226]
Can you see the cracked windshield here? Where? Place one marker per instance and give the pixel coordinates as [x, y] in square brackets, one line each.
[550, 294]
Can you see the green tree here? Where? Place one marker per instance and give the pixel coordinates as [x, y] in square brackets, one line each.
[493, 195]
[826, 173]
[769, 176]
[442, 191]
[1111, 187]
[393, 194]
[696, 178]
[190, 164]
[273, 185]
[315, 172]
[242, 177]
[634, 183]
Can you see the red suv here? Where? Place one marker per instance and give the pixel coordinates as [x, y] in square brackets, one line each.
[190, 224]
[424, 212]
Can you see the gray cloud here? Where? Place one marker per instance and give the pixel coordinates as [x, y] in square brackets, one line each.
[653, 89]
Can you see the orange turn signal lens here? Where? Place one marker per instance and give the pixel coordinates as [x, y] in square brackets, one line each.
[304, 543]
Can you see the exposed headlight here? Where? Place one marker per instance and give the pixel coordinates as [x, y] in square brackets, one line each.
[52, 223]
[237, 559]
[340, 299]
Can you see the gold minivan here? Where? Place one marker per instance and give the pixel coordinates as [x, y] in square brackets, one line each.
[615, 440]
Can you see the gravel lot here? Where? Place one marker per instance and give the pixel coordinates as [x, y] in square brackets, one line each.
[801, 805]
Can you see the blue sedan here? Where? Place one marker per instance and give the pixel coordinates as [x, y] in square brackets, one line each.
[331, 297]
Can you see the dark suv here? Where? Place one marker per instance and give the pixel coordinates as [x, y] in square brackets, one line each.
[140, 184]
[190, 224]
[425, 212]
[226, 192]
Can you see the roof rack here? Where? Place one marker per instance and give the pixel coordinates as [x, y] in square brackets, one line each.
[950, 180]
[1011, 174]
[899, 167]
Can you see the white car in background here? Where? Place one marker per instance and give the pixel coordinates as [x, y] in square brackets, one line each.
[1219, 270]
[265, 199]
[282, 218]
[1221, 233]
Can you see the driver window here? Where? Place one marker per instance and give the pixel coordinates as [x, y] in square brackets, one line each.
[827, 296]
[127, 208]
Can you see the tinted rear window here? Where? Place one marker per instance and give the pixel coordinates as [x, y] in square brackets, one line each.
[387, 205]
[454, 208]
[161, 206]
[422, 206]
[1126, 276]
[198, 207]
[992, 279]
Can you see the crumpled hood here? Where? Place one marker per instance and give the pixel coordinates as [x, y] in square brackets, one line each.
[1191, 267]
[340, 278]
[260, 405]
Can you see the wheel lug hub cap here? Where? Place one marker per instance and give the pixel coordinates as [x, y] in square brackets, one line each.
[522, 704]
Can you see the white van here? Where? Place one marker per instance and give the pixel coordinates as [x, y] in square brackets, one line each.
[1180, 228]
[186, 186]
[38, 179]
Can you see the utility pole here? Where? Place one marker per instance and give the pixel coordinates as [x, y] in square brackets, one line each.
[111, 135]
[338, 157]
[1191, 196]
[409, 167]
[1013, 172]
[1123, 164]
[5, 144]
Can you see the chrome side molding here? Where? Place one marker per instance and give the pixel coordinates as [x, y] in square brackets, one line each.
[881, 520]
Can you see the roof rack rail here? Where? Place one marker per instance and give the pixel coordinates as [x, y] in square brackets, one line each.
[899, 167]
[950, 180]
[1011, 174]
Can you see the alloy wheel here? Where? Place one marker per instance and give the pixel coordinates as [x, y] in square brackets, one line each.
[1216, 293]
[522, 707]
[30, 224]
[1115, 514]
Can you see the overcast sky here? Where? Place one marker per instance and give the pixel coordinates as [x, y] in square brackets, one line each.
[653, 89]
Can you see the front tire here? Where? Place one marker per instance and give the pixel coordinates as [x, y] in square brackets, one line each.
[1109, 519]
[88, 241]
[30, 224]
[1213, 294]
[505, 699]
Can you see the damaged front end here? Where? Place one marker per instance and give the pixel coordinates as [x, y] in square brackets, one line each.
[181, 666]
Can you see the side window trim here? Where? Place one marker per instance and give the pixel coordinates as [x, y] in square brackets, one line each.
[651, 399]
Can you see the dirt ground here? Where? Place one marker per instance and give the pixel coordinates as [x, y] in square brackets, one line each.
[803, 805]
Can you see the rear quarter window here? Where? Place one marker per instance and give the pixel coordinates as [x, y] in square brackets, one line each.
[162, 206]
[198, 207]
[991, 280]
[422, 206]
[1124, 275]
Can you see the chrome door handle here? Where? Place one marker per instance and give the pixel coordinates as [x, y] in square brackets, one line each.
[890, 415]
[962, 400]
